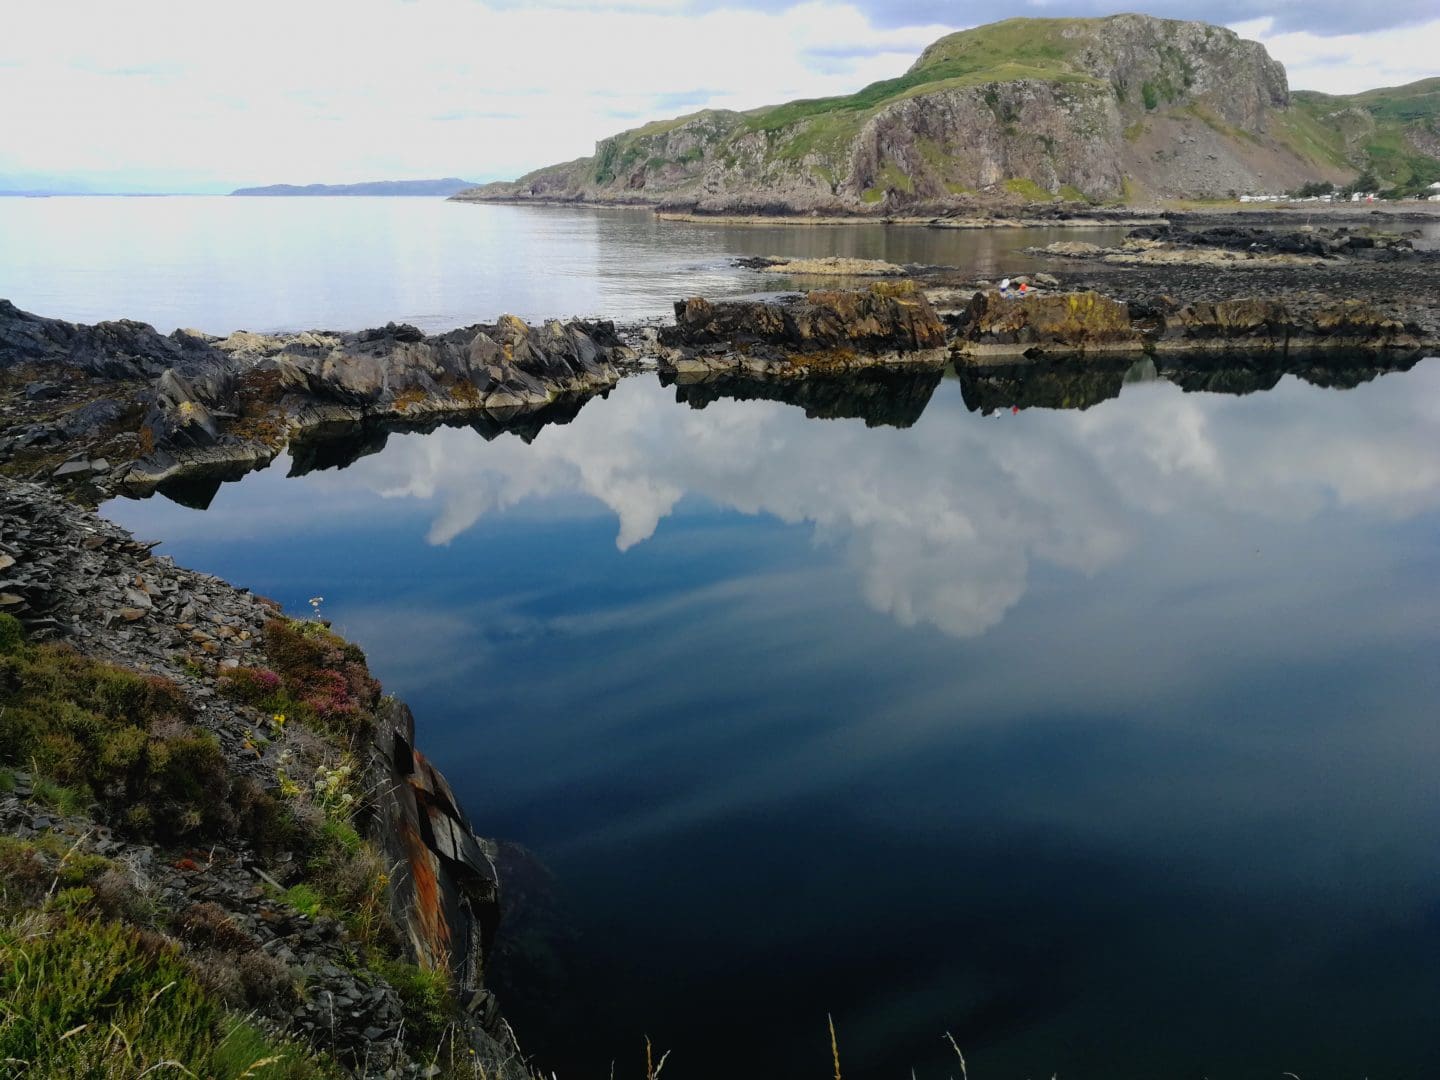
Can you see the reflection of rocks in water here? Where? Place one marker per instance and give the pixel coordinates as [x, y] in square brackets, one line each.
[337, 446]
[1040, 385]
[880, 398]
[533, 967]
[1076, 385]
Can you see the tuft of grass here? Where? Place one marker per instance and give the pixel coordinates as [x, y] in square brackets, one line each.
[84, 997]
[304, 899]
[12, 634]
[427, 1002]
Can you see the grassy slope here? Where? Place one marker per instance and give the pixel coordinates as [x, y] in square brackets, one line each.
[1386, 150]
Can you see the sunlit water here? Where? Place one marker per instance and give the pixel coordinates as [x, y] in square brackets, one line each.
[1105, 740]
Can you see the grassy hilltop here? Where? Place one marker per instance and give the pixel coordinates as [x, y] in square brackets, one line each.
[1124, 108]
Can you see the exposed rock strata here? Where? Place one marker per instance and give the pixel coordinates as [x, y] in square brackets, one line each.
[1088, 323]
[230, 404]
[888, 324]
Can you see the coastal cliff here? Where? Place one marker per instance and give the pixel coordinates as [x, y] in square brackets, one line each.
[1123, 108]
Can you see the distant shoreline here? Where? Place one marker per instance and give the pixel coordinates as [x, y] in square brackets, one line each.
[1036, 216]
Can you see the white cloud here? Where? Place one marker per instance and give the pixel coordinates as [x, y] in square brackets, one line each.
[335, 92]
[163, 93]
[1349, 63]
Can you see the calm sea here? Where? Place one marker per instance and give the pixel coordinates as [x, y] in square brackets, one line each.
[1103, 738]
[218, 264]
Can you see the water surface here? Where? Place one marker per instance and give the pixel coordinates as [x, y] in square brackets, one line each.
[1103, 738]
[345, 263]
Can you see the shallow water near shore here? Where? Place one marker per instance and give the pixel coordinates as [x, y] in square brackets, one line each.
[1102, 738]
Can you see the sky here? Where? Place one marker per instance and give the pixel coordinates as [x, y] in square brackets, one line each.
[189, 95]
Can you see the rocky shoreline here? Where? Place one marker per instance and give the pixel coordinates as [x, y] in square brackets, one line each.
[118, 406]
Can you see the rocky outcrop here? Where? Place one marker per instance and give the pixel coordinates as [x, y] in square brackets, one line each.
[888, 324]
[1037, 325]
[1270, 325]
[995, 327]
[1227, 246]
[221, 404]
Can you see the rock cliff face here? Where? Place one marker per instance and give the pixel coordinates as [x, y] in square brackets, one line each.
[1104, 109]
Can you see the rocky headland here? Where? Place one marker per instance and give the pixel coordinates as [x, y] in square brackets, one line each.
[1018, 119]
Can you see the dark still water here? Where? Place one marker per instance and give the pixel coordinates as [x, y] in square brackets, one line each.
[1105, 739]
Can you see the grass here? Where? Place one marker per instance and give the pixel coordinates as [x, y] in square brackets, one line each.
[91, 998]
[1027, 189]
[1310, 129]
[427, 1001]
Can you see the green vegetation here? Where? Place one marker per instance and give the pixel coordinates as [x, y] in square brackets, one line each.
[1027, 189]
[96, 978]
[86, 997]
[319, 680]
[427, 1000]
[1379, 124]
[96, 732]
[1214, 123]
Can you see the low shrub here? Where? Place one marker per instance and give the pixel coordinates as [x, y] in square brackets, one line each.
[325, 675]
[100, 733]
[12, 634]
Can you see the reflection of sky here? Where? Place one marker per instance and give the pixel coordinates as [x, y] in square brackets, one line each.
[1084, 733]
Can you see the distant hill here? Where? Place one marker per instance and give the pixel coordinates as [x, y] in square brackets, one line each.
[448, 186]
[1125, 108]
[1393, 132]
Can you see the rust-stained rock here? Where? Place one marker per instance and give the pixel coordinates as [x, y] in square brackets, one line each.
[444, 890]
